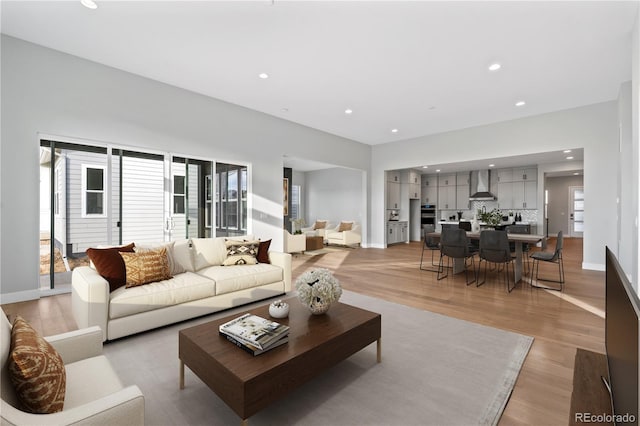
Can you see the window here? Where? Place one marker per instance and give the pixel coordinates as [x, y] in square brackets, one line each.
[178, 194]
[93, 184]
[295, 202]
[231, 199]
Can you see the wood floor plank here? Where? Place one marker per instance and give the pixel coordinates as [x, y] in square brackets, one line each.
[543, 391]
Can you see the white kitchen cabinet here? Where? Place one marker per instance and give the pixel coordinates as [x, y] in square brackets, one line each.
[393, 176]
[447, 197]
[429, 195]
[525, 195]
[518, 195]
[505, 175]
[525, 174]
[393, 195]
[446, 180]
[462, 197]
[414, 191]
[505, 195]
[411, 176]
[397, 232]
[429, 181]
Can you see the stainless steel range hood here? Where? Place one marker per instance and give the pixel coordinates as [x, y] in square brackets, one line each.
[480, 180]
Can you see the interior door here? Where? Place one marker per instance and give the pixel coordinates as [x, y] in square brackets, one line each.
[576, 211]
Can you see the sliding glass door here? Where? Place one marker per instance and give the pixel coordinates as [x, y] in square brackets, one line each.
[231, 199]
[97, 196]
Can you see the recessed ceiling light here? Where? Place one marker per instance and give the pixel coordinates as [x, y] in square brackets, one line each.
[425, 167]
[263, 75]
[437, 170]
[348, 111]
[394, 130]
[90, 4]
[492, 165]
[495, 67]
[576, 174]
[566, 151]
[569, 158]
[520, 103]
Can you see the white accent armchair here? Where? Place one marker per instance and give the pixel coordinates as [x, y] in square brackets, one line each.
[294, 243]
[94, 393]
[345, 238]
[312, 232]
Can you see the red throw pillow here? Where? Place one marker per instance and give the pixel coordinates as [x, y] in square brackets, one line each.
[110, 265]
[263, 252]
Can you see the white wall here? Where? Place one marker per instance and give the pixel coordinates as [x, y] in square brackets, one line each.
[335, 195]
[593, 128]
[635, 141]
[45, 91]
[625, 205]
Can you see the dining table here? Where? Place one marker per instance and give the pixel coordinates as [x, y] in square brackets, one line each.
[518, 239]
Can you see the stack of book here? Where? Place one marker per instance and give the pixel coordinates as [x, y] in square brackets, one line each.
[255, 334]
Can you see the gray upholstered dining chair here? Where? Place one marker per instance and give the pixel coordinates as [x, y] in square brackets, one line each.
[454, 244]
[432, 244]
[552, 257]
[494, 248]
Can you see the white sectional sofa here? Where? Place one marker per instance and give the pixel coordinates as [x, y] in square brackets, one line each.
[205, 287]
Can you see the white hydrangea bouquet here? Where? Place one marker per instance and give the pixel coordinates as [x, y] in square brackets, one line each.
[318, 289]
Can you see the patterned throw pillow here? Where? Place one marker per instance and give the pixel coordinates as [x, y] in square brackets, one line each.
[241, 252]
[146, 267]
[345, 226]
[36, 370]
[320, 224]
[175, 267]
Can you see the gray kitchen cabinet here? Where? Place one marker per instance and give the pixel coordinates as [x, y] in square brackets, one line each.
[463, 178]
[397, 232]
[505, 195]
[525, 195]
[429, 195]
[429, 181]
[447, 197]
[403, 229]
[462, 190]
[414, 191]
[505, 175]
[446, 180]
[393, 176]
[525, 174]
[393, 195]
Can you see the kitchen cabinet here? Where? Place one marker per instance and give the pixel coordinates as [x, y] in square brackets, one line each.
[393, 195]
[462, 190]
[518, 195]
[393, 176]
[429, 189]
[505, 195]
[525, 195]
[505, 175]
[414, 191]
[446, 180]
[397, 232]
[529, 174]
[411, 177]
[411, 180]
[447, 197]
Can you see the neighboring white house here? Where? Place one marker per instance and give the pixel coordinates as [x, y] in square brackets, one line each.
[151, 208]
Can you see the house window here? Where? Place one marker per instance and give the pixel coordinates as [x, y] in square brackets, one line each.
[179, 199]
[93, 185]
[231, 199]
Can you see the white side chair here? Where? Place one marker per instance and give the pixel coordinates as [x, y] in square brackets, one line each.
[345, 238]
[94, 393]
[311, 231]
[294, 243]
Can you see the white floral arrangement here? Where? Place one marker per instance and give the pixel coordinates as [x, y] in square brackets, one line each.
[318, 289]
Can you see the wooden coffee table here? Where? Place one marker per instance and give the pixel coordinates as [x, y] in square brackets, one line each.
[246, 383]
[314, 243]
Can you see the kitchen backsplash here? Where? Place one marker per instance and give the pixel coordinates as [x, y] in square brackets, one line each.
[527, 215]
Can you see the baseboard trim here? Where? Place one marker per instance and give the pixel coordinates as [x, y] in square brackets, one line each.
[380, 246]
[19, 296]
[593, 266]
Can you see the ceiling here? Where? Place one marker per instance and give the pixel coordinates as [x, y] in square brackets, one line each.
[420, 67]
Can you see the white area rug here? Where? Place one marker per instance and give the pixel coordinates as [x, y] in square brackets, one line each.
[435, 370]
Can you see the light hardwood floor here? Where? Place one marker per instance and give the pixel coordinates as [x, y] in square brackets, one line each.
[559, 322]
